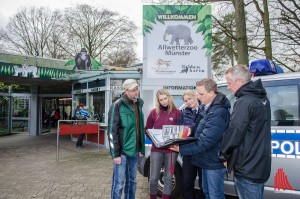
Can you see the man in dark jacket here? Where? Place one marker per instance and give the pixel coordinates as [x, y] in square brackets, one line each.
[126, 139]
[204, 151]
[248, 136]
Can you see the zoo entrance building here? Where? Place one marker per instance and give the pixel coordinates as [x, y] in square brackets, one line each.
[31, 88]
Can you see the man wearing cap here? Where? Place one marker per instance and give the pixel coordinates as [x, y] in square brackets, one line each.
[126, 139]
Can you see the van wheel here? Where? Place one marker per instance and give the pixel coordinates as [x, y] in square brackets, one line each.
[176, 182]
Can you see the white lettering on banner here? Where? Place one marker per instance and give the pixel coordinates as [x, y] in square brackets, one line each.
[177, 17]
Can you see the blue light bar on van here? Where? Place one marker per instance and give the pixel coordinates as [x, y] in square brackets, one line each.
[264, 67]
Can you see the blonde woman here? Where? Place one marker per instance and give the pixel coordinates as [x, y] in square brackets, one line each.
[191, 116]
[165, 113]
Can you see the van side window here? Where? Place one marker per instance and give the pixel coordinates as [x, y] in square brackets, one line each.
[284, 102]
[229, 95]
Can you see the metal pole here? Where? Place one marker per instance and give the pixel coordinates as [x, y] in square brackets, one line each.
[57, 141]
[98, 133]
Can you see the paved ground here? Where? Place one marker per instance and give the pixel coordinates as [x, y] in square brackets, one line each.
[28, 169]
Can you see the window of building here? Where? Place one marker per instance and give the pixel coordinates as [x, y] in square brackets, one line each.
[116, 87]
[4, 113]
[78, 99]
[20, 114]
[98, 105]
[96, 83]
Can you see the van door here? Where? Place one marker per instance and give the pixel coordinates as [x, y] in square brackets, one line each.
[285, 129]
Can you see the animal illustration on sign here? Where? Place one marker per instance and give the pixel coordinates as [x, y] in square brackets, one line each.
[25, 70]
[178, 32]
[184, 70]
[160, 62]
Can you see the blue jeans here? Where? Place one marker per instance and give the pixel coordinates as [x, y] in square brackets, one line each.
[126, 171]
[247, 189]
[213, 183]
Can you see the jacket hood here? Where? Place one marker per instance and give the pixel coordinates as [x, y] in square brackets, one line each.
[252, 88]
[221, 100]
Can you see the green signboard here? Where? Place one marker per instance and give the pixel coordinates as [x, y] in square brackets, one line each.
[177, 42]
[32, 67]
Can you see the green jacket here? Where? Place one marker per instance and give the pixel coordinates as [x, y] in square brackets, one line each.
[122, 128]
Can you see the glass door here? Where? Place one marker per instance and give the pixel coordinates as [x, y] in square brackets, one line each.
[46, 115]
[97, 102]
[20, 114]
[65, 107]
[4, 115]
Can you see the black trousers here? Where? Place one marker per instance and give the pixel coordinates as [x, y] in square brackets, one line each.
[189, 174]
[80, 140]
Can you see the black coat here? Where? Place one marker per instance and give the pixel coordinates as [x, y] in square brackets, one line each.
[250, 132]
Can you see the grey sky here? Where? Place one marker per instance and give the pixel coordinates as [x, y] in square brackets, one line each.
[130, 8]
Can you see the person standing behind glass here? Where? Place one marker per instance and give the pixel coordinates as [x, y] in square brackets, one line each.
[165, 113]
[126, 139]
[56, 117]
[81, 114]
[190, 116]
[248, 136]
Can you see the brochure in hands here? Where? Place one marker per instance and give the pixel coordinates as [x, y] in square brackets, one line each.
[170, 135]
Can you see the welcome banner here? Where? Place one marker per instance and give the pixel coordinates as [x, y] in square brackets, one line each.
[177, 41]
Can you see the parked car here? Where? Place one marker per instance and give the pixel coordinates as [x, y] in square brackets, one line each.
[284, 94]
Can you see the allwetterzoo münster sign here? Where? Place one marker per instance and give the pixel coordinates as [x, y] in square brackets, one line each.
[177, 41]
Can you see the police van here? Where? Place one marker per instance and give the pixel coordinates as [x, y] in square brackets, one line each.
[283, 91]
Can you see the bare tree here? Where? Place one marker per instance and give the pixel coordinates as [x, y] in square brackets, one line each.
[224, 43]
[122, 58]
[287, 32]
[99, 31]
[264, 13]
[241, 35]
[28, 31]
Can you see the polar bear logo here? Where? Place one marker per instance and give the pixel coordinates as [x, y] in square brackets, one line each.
[25, 69]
